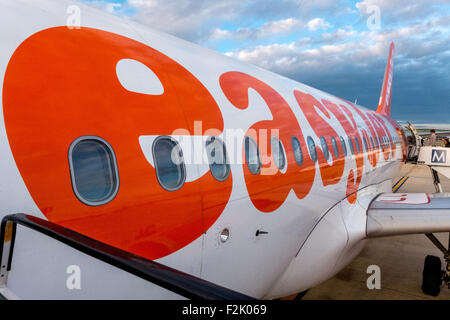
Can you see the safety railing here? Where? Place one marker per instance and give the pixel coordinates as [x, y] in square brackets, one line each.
[181, 283]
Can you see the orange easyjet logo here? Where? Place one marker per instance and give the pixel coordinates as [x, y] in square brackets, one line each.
[62, 84]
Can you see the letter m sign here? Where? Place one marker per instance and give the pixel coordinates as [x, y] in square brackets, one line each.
[438, 156]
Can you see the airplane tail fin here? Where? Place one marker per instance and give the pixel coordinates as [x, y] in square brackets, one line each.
[384, 105]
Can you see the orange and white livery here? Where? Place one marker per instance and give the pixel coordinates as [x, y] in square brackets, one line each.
[93, 119]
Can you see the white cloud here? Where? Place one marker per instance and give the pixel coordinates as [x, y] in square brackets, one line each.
[400, 11]
[342, 47]
[184, 18]
[339, 34]
[318, 24]
[268, 29]
[109, 7]
[218, 34]
[279, 27]
[334, 55]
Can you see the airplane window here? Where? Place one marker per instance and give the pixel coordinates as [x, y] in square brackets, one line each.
[335, 147]
[344, 146]
[366, 148]
[312, 149]
[278, 152]
[350, 143]
[358, 148]
[252, 155]
[169, 163]
[217, 155]
[326, 153]
[298, 154]
[93, 170]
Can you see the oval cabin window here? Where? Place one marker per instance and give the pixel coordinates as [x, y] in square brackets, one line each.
[312, 149]
[298, 154]
[344, 147]
[365, 145]
[278, 152]
[324, 145]
[335, 147]
[358, 148]
[93, 169]
[217, 155]
[169, 164]
[350, 143]
[252, 155]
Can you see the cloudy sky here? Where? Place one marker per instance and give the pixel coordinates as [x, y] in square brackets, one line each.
[339, 46]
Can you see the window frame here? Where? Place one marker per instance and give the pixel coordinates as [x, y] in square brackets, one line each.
[350, 143]
[226, 158]
[282, 152]
[343, 145]
[324, 147]
[299, 163]
[257, 154]
[183, 165]
[365, 145]
[358, 147]
[313, 158]
[114, 170]
[335, 147]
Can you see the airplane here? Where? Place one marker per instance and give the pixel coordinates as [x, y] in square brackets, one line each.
[124, 148]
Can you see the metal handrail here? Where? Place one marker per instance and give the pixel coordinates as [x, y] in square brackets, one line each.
[171, 279]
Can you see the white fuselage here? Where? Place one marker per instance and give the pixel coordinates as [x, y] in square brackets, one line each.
[312, 227]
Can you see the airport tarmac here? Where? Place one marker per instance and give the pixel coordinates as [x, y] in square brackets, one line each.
[400, 258]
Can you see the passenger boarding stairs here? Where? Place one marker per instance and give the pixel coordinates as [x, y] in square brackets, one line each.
[35, 255]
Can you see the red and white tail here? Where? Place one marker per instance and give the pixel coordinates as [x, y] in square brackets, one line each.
[384, 105]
